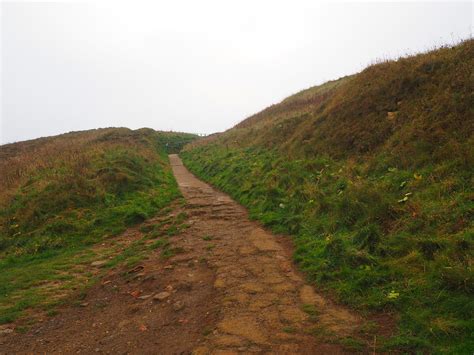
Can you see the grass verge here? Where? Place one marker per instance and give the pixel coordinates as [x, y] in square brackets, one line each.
[383, 239]
[92, 187]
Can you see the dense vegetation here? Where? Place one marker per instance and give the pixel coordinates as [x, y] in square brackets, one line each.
[372, 175]
[59, 195]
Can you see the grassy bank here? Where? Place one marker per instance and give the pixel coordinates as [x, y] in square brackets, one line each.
[64, 194]
[372, 176]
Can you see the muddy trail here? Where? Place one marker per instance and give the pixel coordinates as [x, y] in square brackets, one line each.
[232, 288]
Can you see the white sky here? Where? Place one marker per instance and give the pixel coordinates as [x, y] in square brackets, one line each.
[194, 66]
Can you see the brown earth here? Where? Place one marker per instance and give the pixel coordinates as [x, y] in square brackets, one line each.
[232, 289]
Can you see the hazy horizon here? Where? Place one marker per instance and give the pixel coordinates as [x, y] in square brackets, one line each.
[193, 67]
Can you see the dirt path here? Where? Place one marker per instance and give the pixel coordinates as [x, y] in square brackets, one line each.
[231, 289]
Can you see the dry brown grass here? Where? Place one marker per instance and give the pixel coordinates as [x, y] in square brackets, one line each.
[71, 151]
[415, 108]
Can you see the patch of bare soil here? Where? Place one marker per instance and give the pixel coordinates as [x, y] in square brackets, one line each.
[233, 289]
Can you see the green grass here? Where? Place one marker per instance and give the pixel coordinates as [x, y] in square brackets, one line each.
[210, 247]
[353, 236]
[23, 283]
[311, 311]
[52, 218]
[352, 344]
[162, 242]
[372, 176]
[289, 330]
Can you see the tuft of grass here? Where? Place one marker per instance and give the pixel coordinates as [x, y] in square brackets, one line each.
[353, 344]
[167, 253]
[52, 313]
[311, 311]
[160, 243]
[210, 247]
[207, 331]
[322, 334]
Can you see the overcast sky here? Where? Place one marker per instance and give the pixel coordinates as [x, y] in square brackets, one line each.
[193, 66]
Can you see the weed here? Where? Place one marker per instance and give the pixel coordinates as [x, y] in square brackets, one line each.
[311, 311]
[159, 244]
[22, 329]
[289, 329]
[167, 253]
[207, 331]
[322, 333]
[52, 313]
[210, 247]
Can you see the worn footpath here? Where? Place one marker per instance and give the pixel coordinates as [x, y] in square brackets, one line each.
[232, 288]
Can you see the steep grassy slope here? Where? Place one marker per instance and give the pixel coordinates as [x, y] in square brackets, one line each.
[61, 194]
[372, 175]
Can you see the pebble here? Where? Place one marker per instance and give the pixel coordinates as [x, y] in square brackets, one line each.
[145, 297]
[185, 286]
[99, 263]
[179, 305]
[136, 269]
[148, 278]
[161, 296]
[140, 274]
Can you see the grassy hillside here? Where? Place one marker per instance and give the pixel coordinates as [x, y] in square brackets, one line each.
[59, 195]
[372, 175]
